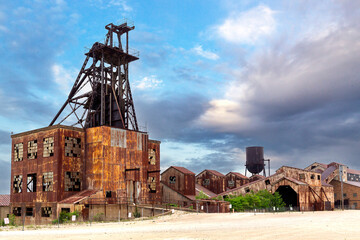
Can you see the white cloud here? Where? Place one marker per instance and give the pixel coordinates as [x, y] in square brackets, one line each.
[148, 83]
[248, 27]
[206, 54]
[63, 77]
[120, 3]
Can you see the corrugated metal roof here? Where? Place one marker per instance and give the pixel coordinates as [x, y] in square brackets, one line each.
[325, 184]
[183, 170]
[353, 171]
[215, 173]
[327, 172]
[4, 200]
[237, 174]
[199, 188]
[353, 183]
[79, 196]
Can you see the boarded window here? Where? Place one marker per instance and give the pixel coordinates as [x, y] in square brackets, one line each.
[302, 176]
[32, 149]
[152, 184]
[118, 138]
[72, 147]
[48, 147]
[17, 184]
[206, 182]
[29, 212]
[18, 152]
[72, 181]
[172, 179]
[46, 211]
[231, 183]
[152, 156]
[31, 183]
[17, 211]
[47, 181]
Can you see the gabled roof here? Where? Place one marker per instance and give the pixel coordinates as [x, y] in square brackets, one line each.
[199, 188]
[319, 164]
[327, 172]
[237, 174]
[353, 171]
[183, 170]
[214, 172]
[353, 183]
[79, 196]
[4, 200]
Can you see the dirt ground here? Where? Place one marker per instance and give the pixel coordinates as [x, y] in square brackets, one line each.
[295, 225]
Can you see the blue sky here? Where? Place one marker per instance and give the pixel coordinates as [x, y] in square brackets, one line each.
[213, 76]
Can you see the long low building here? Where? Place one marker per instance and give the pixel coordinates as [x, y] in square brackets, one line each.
[299, 188]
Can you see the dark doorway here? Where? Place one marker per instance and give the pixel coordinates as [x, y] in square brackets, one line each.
[288, 195]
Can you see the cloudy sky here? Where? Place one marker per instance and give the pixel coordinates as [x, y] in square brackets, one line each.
[213, 77]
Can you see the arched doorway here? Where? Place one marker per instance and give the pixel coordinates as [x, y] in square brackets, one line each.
[289, 196]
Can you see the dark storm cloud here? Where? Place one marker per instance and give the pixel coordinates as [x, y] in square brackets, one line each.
[4, 137]
[5, 177]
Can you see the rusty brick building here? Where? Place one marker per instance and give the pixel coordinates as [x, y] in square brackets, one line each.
[54, 163]
[235, 179]
[302, 189]
[212, 180]
[351, 182]
[102, 157]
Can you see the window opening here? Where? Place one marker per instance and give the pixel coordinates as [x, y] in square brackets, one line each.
[31, 182]
[47, 181]
[152, 184]
[32, 149]
[48, 147]
[152, 156]
[172, 179]
[29, 212]
[72, 181]
[17, 211]
[72, 147]
[17, 184]
[18, 152]
[46, 211]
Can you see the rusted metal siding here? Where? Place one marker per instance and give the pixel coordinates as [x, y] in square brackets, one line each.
[311, 178]
[123, 171]
[184, 183]
[234, 181]
[210, 181]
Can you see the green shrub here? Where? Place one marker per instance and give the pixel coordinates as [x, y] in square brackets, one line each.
[12, 220]
[260, 200]
[136, 213]
[65, 217]
[201, 195]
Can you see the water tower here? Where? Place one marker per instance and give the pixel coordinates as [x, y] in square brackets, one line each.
[255, 162]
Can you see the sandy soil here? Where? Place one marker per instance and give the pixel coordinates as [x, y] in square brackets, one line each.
[308, 225]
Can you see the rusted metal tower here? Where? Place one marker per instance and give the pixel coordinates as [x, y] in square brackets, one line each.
[101, 94]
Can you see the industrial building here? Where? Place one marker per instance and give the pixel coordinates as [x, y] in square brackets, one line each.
[212, 180]
[235, 180]
[92, 154]
[330, 173]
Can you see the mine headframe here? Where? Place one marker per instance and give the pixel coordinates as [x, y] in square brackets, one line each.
[101, 94]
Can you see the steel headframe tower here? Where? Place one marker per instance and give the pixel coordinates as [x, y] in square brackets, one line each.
[101, 94]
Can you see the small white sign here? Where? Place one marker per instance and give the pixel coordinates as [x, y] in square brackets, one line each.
[172, 211]
[291, 208]
[73, 218]
[129, 215]
[6, 221]
[230, 206]
[202, 207]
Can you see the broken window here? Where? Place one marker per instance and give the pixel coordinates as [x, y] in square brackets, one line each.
[17, 184]
[247, 190]
[231, 183]
[108, 194]
[72, 147]
[206, 182]
[31, 183]
[344, 194]
[47, 181]
[18, 152]
[152, 156]
[318, 177]
[312, 176]
[48, 147]
[267, 182]
[29, 212]
[32, 149]
[17, 211]
[46, 212]
[302, 176]
[152, 184]
[172, 179]
[72, 181]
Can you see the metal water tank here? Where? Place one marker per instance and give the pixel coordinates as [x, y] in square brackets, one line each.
[255, 159]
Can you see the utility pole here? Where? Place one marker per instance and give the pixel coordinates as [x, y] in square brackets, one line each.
[341, 171]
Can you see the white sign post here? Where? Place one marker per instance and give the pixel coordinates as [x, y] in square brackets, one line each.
[73, 218]
[6, 221]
